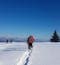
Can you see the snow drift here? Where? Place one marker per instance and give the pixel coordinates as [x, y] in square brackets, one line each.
[43, 53]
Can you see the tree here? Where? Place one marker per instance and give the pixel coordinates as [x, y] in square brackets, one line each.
[7, 41]
[55, 37]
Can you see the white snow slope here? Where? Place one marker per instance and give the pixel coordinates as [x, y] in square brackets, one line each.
[43, 53]
[11, 53]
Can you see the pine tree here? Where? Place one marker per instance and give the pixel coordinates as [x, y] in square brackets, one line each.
[55, 37]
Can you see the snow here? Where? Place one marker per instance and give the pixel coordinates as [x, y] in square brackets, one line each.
[11, 53]
[23, 58]
[43, 53]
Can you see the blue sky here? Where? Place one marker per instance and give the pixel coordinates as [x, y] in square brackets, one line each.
[21, 18]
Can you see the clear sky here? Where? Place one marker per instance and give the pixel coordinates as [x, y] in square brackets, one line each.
[22, 18]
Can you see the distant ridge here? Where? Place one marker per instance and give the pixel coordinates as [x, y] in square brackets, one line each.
[16, 39]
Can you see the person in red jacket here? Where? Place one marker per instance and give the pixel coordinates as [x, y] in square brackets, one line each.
[30, 41]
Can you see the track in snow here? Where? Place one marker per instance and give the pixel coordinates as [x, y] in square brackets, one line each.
[25, 58]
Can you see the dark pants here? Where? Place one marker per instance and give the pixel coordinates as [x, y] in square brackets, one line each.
[30, 46]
